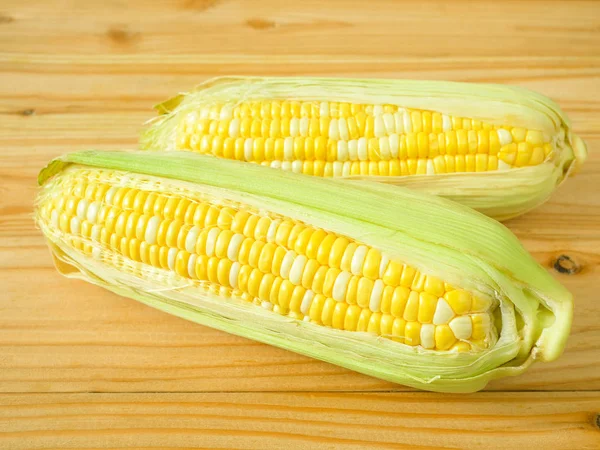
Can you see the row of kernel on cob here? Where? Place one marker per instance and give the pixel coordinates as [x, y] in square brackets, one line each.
[517, 142]
[391, 282]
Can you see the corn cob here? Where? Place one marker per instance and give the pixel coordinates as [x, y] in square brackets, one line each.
[434, 136]
[408, 287]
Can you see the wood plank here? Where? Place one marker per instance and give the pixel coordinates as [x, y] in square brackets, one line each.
[243, 27]
[116, 83]
[78, 75]
[64, 335]
[300, 421]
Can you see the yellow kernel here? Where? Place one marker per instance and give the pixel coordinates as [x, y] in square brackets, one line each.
[352, 315]
[319, 279]
[459, 300]
[518, 134]
[363, 320]
[316, 308]
[339, 315]
[434, 286]
[427, 306]
[327, 312]
[386, 299]
[399, 330]
[371, 264]
[365, 286]
[308, 275]
[411, 310]
[412, 333]
[408, 275]
[330, 278]
[393, 273]
[386, 325]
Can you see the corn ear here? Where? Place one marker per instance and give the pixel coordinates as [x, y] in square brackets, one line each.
[499, 149]
[457, 251]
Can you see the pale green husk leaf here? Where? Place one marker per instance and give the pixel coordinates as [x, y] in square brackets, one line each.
[437, 236]
[501, 195]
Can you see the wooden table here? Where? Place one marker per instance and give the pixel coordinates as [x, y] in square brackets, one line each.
[83, 368]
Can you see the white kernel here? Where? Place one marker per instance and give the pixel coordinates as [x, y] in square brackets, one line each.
[191, 119]
[304, 126]
[390, 125]
[306, 301]
[233, 249]
[226, 112]
[266, 305]
[124, 180]
[353, 150]
[204, 113]
[430, 167]
[342, 151]
[394, 145]
[343, 126]
[358, 259]
[54, 218]
[399, 119]
[286, 165]
[406, 122]
[82, 207]
[324, 109]
[503, 165]
[362, 149]
[446, 123]
[233, 275]
[96, 252]
[297, 269]
[377, 110]
[286, 264]
[462, 327]
[171, 257]
[346, 169]
[294, 127]
[191, 268]
[75, 225]
[337, 168]
[504, 137]
[211, 241]
[234, 127]
[95, 233]
[108, 198]
[443, 312]
[190, 239]
[384, 148]
[379, 127]
[375, 299]
[248, 149]
[276, 164]
[340, 286]
[92, 212]
[383, 265]
[152, 230]
[288, 149]
[427, 335]
[334, 131]
[297, 166]
[272, 231]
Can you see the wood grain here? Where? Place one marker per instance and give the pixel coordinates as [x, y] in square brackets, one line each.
[300, 421]
[84, 74]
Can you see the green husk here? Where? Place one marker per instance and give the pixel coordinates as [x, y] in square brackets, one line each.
[434, 235]
[500, 195]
